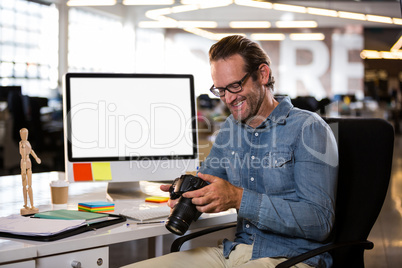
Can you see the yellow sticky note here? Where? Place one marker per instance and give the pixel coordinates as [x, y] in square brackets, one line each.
[157, 199]
[101, 171]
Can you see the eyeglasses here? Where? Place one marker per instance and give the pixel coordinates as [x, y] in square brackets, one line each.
[235, 87]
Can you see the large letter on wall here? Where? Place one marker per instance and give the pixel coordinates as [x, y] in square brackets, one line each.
[342, 69]
[308, 74]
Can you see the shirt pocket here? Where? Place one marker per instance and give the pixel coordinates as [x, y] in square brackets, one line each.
[234, 162]
[278, 172]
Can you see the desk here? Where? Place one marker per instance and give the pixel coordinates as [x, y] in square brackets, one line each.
[23, 253]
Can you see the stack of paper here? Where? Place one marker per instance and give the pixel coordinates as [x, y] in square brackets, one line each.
[97, 206]
[20, 225]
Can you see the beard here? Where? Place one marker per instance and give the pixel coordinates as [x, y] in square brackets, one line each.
[245, 108]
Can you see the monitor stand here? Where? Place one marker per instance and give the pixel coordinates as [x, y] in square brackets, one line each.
[124, 190]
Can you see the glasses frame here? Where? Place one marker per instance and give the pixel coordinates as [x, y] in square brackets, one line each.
[216, 90]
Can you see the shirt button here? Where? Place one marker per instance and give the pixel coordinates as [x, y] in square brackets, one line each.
[233, 152]
[247, 225]
[252, 178]
[256, 134]
[252, 157]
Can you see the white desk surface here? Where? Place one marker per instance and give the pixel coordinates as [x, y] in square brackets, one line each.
[11, 201]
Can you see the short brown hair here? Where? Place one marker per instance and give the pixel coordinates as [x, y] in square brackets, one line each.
[252, 54]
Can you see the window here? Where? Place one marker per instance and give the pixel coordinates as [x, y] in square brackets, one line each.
[95, 42]
[29, 46]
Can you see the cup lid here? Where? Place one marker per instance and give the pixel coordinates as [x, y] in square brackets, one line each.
[59, 183]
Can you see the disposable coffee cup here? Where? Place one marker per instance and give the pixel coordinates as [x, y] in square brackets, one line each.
[59, 191]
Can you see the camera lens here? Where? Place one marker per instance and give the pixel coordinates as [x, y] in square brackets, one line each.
[180, 219]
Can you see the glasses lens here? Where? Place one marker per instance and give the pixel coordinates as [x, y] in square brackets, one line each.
[235, 87]
[215, 91]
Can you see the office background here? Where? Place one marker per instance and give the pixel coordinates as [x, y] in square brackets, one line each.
[349, 55]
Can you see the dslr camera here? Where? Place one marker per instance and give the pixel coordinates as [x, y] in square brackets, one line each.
[185, 211]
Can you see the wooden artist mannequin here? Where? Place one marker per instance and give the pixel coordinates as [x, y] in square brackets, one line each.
[26, 172]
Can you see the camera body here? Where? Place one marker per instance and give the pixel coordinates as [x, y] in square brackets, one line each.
[185, 211]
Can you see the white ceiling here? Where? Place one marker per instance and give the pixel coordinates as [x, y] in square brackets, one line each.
[233, 12]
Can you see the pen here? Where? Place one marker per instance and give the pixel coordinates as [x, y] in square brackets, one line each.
[149, 222]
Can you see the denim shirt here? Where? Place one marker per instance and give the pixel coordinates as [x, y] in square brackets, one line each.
[287, 167]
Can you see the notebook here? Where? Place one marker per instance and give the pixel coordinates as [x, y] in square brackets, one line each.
[65, 214]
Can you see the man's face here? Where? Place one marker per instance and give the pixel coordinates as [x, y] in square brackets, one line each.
[243, 105]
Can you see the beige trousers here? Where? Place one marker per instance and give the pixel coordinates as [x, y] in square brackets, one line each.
[205, 257]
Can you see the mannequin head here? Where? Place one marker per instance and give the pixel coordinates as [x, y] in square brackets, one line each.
[24, 134]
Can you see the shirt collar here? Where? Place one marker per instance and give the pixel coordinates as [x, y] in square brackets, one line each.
[281, 112]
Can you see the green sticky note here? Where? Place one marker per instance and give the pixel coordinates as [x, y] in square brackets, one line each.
[101, 171]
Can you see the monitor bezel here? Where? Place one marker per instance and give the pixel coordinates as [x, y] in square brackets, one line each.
[67, 93]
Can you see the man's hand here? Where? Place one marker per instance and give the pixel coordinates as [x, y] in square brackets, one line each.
[219, 195]
[171, 203]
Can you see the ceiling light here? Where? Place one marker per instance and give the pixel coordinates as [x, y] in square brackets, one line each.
[209, 35]
[207, 3]
[397, 21]
[194, 2]
[296, 24]
[201, 33]
[198, 24]
[391, 55]
[322, 12]
[148, 2]
[374, 54]
[156, 14]
[268, 37]
[370, 54]
[351, 15]
[73, 3]
[251, 3]
[249, 24]
[397, 45]
[307, 36]
[290, 8]
[375, 18]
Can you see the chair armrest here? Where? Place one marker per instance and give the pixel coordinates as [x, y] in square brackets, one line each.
[292, 261]
[176, 245]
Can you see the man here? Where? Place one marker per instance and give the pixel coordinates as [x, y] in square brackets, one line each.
[277, 165]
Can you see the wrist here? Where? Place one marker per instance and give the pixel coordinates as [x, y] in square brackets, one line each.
[239, 198]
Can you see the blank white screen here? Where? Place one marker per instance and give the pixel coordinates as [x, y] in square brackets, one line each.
[130, 117]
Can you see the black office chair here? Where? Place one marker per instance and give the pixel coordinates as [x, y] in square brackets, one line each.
[365, 160]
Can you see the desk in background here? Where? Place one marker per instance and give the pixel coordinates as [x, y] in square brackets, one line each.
[90, 248]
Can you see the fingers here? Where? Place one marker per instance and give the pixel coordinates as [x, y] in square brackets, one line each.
[203, 191]
[172, 203]
[206, 177]
[219, 195]
[165, 187]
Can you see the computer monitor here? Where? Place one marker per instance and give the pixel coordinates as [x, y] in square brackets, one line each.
[5, 91]
[124, 128]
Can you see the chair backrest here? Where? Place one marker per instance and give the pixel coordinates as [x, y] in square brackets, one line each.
[365, 161]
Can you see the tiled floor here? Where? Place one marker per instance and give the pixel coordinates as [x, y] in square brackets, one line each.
[387, 231]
